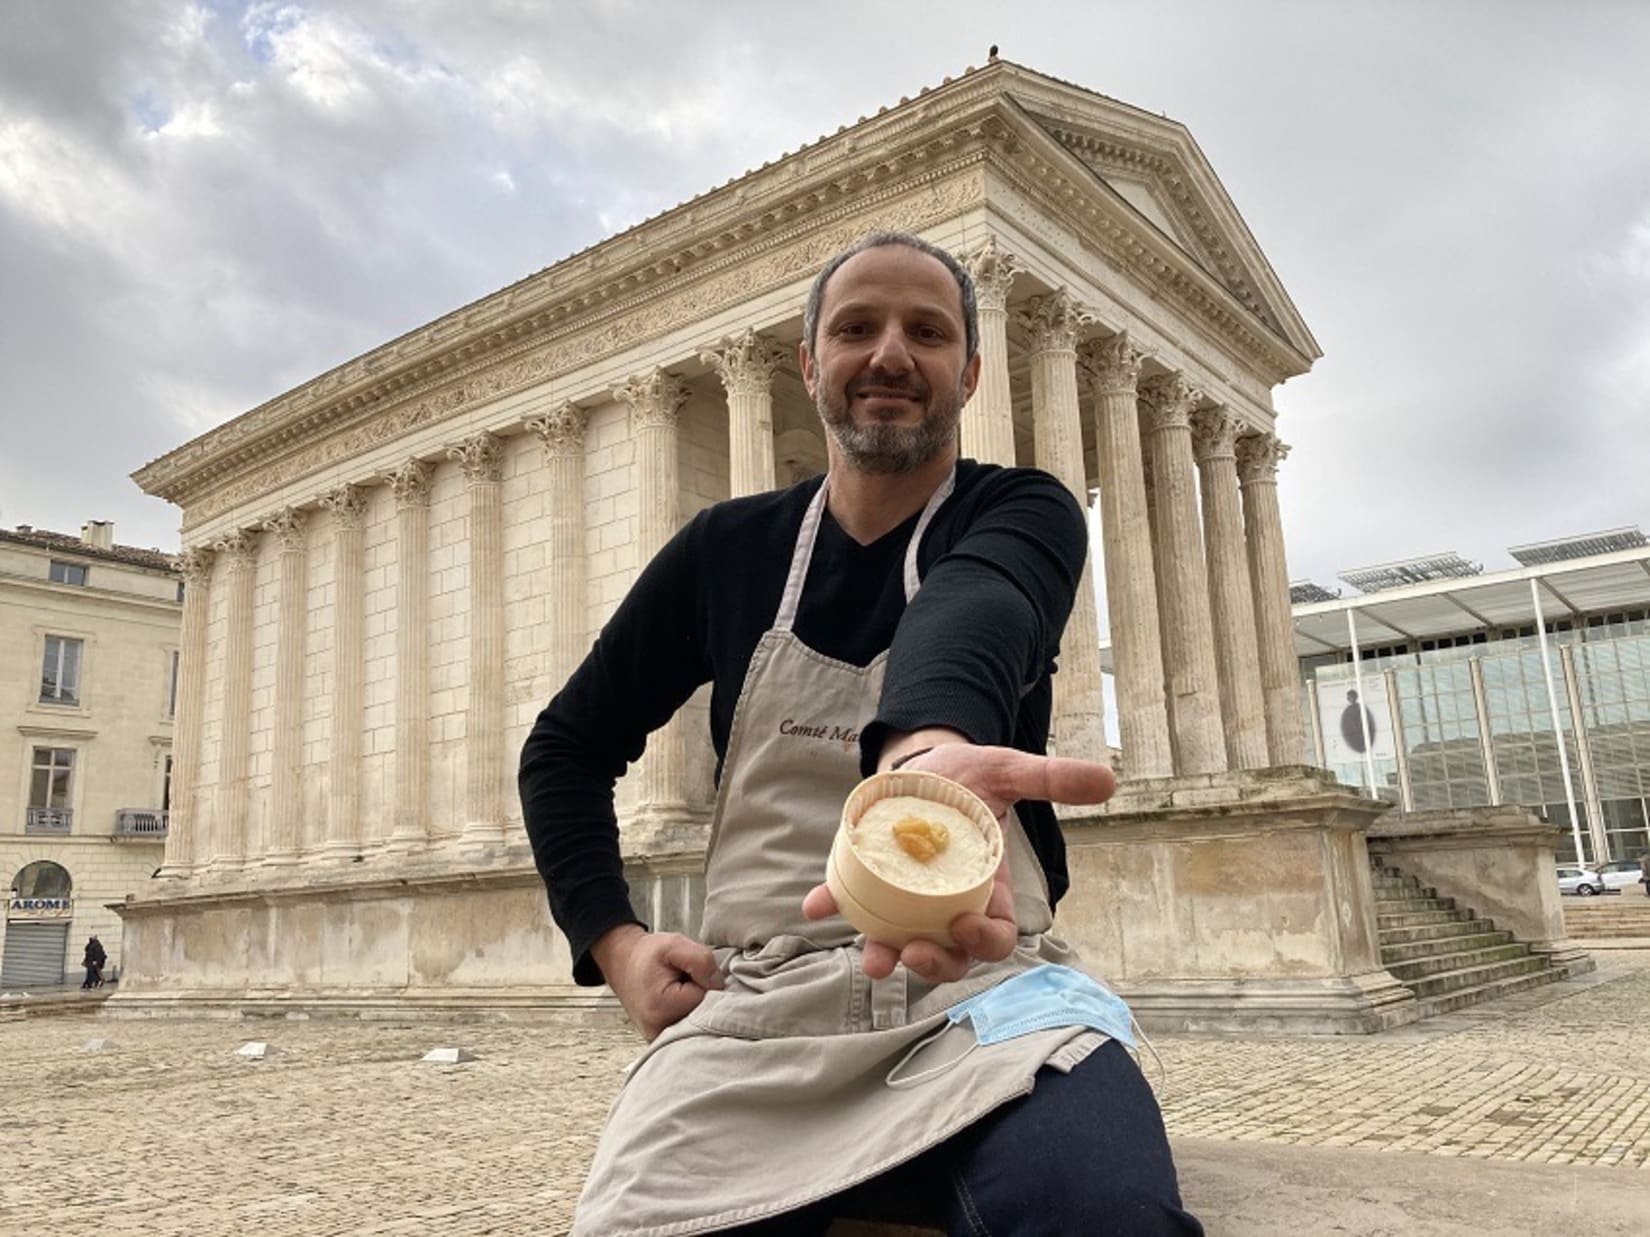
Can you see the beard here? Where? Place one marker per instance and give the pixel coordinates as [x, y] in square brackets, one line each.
[891, 450]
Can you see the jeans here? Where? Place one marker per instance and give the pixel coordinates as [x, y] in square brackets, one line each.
[1084, 1155]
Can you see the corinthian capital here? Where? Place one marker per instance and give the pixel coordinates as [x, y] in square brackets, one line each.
[195, 565]
[1168, 400]
[1258, 457]
[1214, 434]
[1114, 362]
[561, 431]
[745, 363]
[348, 505]
[239, 548]
[654, 399]
[482, 458]
[1053, 321]
[288, 526]
[411, 484]
[993, 271]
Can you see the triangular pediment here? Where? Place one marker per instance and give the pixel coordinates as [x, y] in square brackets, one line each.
[1155, 166]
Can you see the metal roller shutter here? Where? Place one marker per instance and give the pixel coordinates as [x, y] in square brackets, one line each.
[34, 953]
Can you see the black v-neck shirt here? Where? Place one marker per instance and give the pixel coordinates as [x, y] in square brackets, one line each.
[1000, 565]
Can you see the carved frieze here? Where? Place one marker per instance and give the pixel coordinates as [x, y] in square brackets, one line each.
[1168, 401]
[561, 431]
[1258, 457]
[654, 399]
[948, 191]
[746, 363]
[482, 458]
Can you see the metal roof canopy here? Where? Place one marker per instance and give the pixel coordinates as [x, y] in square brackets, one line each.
[1378, 579]
[1570, 587]
[1583, 546]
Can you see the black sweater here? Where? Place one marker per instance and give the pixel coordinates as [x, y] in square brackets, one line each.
[1000, 565]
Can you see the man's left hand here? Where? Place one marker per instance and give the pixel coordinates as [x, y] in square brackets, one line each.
[1001, 777]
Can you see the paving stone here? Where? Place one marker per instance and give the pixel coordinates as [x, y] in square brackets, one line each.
[339, 1134]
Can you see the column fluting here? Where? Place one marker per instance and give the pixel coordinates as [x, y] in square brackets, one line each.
[1231, 600]
[348, 506]
[988, 417]
[184, 849]
[1188, 636]
[562, 435]
[1258, 456]
[286, 791]
[239, 550]
[1053, 322]
[655, 401]
[1131, 578]
[482, 458]
[411, 486]
[746, 364]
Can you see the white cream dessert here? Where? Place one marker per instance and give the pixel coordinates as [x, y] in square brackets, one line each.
[922, 846]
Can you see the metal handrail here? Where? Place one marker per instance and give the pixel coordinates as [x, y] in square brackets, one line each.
[48, 820]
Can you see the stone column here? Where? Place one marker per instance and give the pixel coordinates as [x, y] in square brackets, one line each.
[988, 418]
[1188, 635]
[746, 365]
[482, 459]
[184, 848]
[1131, 579]
[1258, 456]
[562, 433]
[348, 505]
[655, 401]
[1242, 704]
[411, 485]
[240, 552]
[286, 791]
[1053, 322]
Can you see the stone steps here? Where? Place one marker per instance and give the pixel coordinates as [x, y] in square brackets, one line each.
[1444, 953]
[1625, 915]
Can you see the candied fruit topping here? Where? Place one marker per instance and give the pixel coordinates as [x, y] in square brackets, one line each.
[921, 839]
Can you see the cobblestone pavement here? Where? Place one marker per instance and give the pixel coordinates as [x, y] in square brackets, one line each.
[166, 1131]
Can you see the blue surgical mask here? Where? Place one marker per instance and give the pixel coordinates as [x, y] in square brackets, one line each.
[1035, 1000]
[1043, 997]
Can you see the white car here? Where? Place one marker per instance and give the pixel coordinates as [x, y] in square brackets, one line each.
[1583, 881]
[1622, 874]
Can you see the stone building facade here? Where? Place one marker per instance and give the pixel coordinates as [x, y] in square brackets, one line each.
[89, 661]
[392, 567]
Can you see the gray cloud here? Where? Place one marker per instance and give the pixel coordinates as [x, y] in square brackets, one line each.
[201, 206]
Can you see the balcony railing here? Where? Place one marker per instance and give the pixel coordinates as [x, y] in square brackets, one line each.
[140, 822]
[48, 820]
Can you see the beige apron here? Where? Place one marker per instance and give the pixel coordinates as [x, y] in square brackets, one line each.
[774, 1092]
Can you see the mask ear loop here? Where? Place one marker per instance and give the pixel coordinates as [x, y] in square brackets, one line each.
[1140, 1034]
[917, 1079]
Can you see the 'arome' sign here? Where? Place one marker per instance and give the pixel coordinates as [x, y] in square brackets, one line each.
[40, 908]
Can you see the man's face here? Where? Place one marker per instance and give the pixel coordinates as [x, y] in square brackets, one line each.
[888, 372]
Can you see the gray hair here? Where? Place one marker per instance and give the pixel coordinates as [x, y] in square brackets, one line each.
[876, 240]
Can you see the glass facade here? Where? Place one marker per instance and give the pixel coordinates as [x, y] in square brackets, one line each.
[1471, 722]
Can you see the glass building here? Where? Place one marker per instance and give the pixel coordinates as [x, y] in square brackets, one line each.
[1441, 686]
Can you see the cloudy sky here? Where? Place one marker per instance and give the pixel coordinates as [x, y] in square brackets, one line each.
[202, 205]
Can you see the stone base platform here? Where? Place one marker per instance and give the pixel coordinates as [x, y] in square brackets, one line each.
[440, 935]
[1234, 902]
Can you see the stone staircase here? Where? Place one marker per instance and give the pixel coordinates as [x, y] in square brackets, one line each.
[1617, 916]
[1443, 953]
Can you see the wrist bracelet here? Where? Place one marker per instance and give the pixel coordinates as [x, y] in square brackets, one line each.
[909, 756]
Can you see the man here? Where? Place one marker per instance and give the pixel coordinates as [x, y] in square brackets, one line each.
[914, 603]
[1644, 872]
[93, 961]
